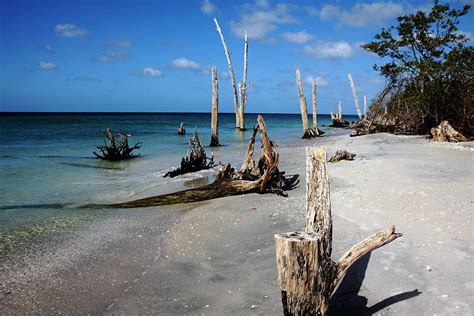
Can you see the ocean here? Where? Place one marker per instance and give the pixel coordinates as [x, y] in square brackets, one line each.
[48, 172]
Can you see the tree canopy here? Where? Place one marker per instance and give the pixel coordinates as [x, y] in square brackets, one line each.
[429, 71]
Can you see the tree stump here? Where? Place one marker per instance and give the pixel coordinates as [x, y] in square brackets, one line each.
[445, 132]
[307, 275]
[116, 147]
[181, 130]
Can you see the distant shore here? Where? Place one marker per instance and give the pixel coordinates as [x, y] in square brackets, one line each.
[217, 257]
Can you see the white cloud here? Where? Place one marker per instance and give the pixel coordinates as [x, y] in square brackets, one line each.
[207, 7]
[329, 11]
[47, 65]
[297, 37]
[320, 81]
[322, 49]
[151, 72]
[260, 19]
[47, 48]
[311, 11]
[112, 55]
[124, 43]
[468, 35]
[69, 30]
[363, 14]
[186, 64]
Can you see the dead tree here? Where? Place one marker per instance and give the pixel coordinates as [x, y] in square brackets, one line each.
[365, 108]
[195, 160]
[316, 130]
[337, 119]
[445, 132]
[342, 155]
[116, 147]
[307, 275]
[214, 110]
[354, 94]
[263, 177]
[308, 132]
[243, 86]
[181, 130]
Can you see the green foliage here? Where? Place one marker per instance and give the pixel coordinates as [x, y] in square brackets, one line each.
[430, 69]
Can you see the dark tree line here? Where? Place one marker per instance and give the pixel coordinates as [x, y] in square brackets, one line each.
[429, 73]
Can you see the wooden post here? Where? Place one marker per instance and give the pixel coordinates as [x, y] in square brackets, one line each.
[244, 86]
[307, 275]
[354, 93]
[307, 131]
[214, 110]
[315, 110]
[231, 73]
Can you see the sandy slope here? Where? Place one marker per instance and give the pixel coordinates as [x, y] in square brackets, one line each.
[219, 259]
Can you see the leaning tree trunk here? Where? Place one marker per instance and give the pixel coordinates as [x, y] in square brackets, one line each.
[214, 110]
[244, 86]
[307, 275]
[356, 99]
[232, 76]
[317, 131]
[307, 131]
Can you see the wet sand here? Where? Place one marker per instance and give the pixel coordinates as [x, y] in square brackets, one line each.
[217, 257]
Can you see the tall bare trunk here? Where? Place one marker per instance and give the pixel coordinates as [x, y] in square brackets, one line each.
[315, 109]
[244, 85]
[215, 110]
[231, 73]
[365, 108]
[354, 93]
[307, 131]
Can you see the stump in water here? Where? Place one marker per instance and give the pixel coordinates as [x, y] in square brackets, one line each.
[116, 147]
[337, 119]
[196, 159]
[181, 130]
[262, 177]
[445, 132]
[307, 275]
[342, 155]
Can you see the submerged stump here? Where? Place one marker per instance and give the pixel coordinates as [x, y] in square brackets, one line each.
[181, 130]
[116, 147]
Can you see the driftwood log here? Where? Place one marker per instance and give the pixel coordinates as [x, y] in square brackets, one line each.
[308, 132]
[116, 147]
[195, 160]
[263, 177]
[181, 130]
[445, 132]
[342, 155]
[214, 110]
[307, 275]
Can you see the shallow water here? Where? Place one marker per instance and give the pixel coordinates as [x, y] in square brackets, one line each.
[48, 171]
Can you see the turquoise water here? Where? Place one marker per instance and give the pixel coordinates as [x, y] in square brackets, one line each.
[48, 171]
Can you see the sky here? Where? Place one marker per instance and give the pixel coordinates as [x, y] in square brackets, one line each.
[155, 55]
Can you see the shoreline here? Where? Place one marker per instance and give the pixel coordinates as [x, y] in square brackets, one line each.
[218, 256]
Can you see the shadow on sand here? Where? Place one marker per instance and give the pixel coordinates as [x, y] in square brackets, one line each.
[347, 301]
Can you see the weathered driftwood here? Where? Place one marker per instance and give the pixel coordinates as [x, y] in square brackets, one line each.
[307, 275]
[181, 129]
[231, 73]
[354, 94]
[195, 160]
[262, 177]
[342, 155]
[214, 110]
[116, 147]
[243, 86]
[308, 132]
[316, 130]
[445, 132]
[337, 118]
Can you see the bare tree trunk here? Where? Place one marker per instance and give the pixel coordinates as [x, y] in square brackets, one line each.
[244, 85]
[339, 111]
[214, 110]
[354, 93]
[232, 76]
[365, 108]
[315, 109]
[307, 131]
[307, 275]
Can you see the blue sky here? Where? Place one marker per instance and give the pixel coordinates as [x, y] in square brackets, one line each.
[155, 56]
